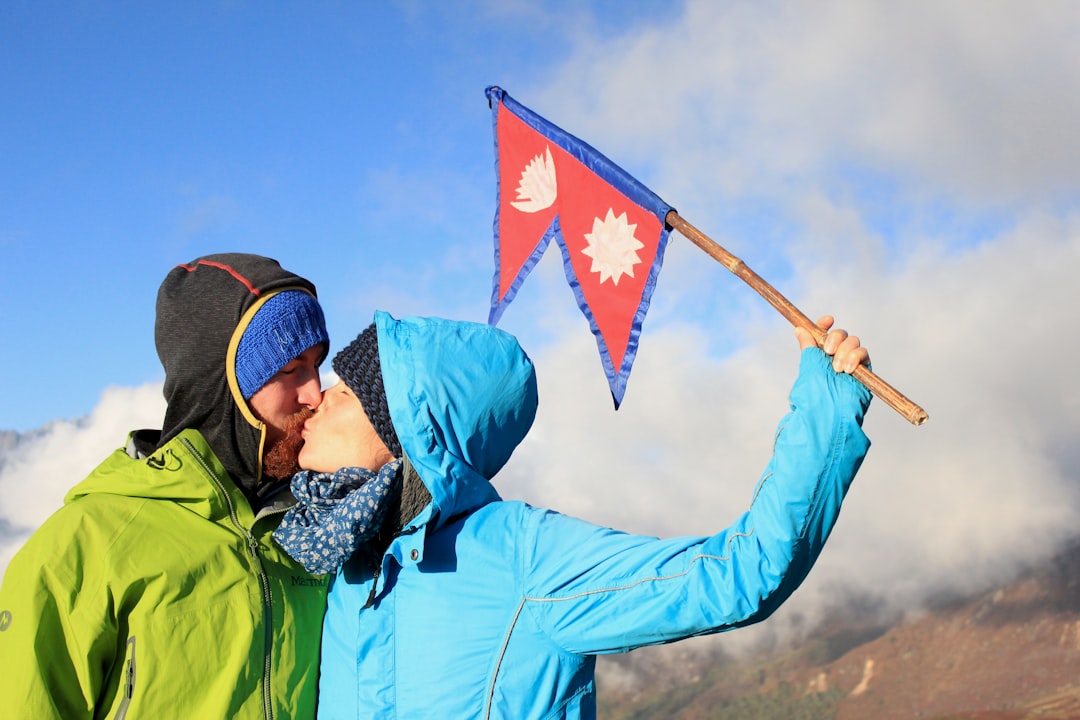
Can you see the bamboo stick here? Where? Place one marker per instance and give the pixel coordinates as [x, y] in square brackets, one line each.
[887, 393]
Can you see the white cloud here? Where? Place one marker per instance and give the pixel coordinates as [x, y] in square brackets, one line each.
[989, 482]
[972, 101]
[38, 473]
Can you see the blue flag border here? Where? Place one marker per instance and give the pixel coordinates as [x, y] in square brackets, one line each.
[617, 178]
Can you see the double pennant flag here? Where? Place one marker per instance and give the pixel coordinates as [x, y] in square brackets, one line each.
[611, 229]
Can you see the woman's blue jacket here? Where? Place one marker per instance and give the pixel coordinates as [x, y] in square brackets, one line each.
[485, 608]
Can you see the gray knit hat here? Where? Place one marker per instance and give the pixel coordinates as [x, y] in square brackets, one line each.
[358, 367]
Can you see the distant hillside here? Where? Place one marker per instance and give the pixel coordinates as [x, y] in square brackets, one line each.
[8, 440]
[1012, 653]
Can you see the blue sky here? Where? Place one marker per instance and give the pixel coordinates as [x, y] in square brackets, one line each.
[911, 168]
[352, 136]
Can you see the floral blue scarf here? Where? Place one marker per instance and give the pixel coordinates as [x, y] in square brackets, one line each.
[335, 513]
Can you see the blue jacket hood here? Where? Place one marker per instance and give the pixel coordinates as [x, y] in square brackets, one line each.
[461, 396]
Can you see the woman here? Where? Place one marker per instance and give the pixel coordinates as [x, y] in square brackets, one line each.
[448, 602]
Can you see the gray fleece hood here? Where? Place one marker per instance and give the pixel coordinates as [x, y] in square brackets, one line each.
[203, 308]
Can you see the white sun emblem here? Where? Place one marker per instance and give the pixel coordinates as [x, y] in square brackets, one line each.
[537, 189]
[613, 247]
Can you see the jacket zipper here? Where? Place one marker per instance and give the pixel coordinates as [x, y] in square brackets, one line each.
[128, 688]
[268, 631]
[264, 582]
[374, 582]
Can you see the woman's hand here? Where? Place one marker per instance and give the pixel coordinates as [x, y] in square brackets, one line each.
[846, 351]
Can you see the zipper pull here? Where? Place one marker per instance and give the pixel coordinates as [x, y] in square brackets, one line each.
[129, 680]
[127, 689]
[374, 583]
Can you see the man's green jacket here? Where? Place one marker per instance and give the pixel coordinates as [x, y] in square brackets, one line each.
[156, 593]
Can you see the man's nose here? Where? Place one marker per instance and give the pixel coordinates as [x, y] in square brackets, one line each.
[311, 393]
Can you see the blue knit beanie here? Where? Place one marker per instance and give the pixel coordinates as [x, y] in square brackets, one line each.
[286, 325]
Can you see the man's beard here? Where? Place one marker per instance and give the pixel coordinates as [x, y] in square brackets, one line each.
[281, 460]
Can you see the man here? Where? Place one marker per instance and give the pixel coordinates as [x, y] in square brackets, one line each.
[156, 591]
[451, 603]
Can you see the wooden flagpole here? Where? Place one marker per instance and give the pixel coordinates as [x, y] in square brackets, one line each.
[890, 395]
